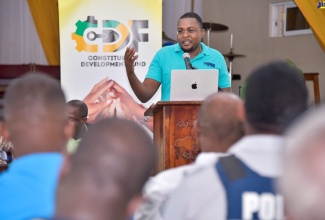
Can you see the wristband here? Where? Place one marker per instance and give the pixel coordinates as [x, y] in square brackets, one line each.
[144, 120]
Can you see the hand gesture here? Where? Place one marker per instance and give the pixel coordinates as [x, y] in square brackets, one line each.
[95, 100]
[128, 104]
[122, 110]
[129, 58]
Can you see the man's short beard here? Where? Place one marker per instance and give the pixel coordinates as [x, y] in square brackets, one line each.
[192, 49]
[188, 50]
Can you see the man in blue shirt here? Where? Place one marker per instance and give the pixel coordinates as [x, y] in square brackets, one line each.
[36, 121]
[190, 33]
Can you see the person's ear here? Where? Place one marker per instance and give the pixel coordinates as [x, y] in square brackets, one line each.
[134, 204]
[84, 120]
[203, 33]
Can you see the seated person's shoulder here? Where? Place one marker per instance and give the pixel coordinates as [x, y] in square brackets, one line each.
[204, 162]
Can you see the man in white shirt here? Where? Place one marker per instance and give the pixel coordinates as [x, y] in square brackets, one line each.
[218, 126]
[240, 185]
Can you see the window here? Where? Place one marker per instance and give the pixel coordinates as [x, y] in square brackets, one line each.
[287, 20]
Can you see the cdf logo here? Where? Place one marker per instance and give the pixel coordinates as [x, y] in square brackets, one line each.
[113, 36]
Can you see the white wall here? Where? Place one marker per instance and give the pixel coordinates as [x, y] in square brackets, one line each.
[249, 22]
[173, 10]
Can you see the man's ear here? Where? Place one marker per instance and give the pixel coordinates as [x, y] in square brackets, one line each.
[134, 204]
[203, 33]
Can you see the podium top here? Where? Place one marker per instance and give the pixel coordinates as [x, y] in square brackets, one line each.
[156, 107]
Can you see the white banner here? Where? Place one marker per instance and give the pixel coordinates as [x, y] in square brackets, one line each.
[94, 35]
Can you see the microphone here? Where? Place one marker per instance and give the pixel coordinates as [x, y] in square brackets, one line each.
[186, 57]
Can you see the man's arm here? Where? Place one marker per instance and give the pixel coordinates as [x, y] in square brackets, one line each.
[143, 90]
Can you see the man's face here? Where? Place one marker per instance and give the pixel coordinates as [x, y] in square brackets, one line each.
[189, 34]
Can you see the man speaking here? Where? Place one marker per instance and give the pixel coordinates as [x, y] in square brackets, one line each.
[190, 33]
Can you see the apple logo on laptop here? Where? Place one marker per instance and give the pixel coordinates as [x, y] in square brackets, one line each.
[194, 86]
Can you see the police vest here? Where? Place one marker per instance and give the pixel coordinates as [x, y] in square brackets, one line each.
[249, 195]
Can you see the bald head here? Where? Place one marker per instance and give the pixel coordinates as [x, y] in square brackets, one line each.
[110, 167]
[35, 114]
[304, 167]
[220, 122]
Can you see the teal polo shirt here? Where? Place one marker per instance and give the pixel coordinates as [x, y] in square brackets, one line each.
[28, 186]
[171, 58]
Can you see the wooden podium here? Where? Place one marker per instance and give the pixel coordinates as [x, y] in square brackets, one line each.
[173, 132]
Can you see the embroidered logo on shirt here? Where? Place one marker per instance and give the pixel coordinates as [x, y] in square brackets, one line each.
[210, 64]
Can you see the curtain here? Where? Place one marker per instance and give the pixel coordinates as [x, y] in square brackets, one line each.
[19, 41]
[46, 18]
[315, 17]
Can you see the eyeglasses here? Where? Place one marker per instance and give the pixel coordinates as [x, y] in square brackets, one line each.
[71, 118]
[189, 31]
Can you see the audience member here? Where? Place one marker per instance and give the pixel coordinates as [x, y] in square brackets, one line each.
[6, 147]
[107, 172]
[219, 125]
[303, 180]
[240, 185]
[35, 120]
[77, 113]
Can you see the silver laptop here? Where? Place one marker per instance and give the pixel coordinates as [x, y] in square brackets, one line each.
[193, 85]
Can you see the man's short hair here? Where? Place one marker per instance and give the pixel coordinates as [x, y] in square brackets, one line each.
[193, 15]
[133, 156]
[275, 95]
[32, 96]
[83, 109]
[112, 163]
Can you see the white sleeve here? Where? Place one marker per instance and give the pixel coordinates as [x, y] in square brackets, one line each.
[156, 192]
[201, 195]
